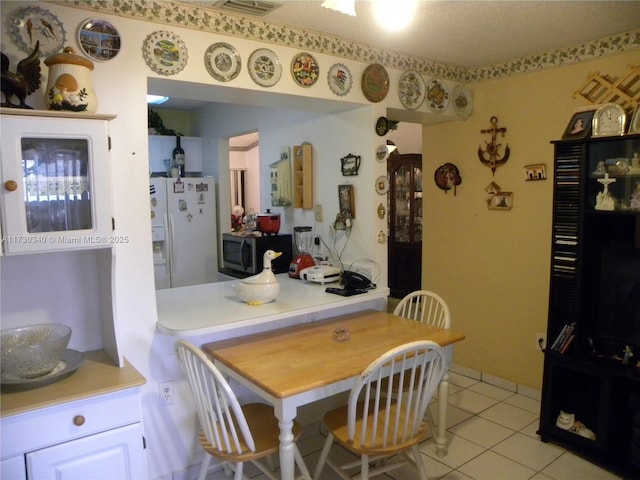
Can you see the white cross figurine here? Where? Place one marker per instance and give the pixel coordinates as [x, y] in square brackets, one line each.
[604, 200]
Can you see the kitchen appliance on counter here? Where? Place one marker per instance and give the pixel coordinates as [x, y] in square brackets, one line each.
[303, 238]
[244, 254]
[269, 223]
[183, 225]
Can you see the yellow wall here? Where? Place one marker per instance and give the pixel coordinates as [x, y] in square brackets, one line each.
[492, 267]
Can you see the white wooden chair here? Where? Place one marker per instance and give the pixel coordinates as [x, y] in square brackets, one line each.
[426, 307]
[229, 432]
[377, 424]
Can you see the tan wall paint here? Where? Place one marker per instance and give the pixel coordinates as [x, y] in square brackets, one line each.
[492, 267]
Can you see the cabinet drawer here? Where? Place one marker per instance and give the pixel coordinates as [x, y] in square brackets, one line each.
[48, 426]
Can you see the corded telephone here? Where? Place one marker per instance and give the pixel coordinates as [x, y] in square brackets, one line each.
[356, 281]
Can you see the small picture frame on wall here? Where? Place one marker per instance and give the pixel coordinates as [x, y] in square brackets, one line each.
[579, 125]
[501, 201]
[536, 171]
[346, 200]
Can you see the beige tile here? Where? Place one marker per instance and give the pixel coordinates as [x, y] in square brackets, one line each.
[482, 432]
[471, 401]
[526, 403]
[491, 466]
[491, 391]
[571, 467]
[459, 451]
[508, 416]
[528, 451]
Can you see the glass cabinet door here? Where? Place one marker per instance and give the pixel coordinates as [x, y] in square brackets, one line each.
[56, 183]
[407, 204]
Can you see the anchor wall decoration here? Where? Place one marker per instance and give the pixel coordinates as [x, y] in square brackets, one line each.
[490, 156]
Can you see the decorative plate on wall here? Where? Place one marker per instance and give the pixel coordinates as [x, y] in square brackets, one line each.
[411, 89]
[437, 96]
[305, 69]
[222, 61]
[339, 79]
[462, 101]
[375, 82]
[382, 185]
[264, 67]
[165, 53]
[32, 24]
[99, 39]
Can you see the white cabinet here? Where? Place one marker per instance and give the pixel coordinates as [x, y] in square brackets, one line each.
[161, 149]
[99, 437]
[55, 177]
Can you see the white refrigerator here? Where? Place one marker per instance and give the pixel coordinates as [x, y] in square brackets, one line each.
[183, 223]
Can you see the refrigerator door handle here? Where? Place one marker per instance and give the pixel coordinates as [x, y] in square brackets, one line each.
[172, 246]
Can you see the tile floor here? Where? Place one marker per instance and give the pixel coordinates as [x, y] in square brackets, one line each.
[492, 436]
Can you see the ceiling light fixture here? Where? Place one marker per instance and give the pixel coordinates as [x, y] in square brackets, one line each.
[342, 6]
[394, 15]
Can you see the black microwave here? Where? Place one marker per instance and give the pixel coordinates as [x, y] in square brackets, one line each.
[245, 254]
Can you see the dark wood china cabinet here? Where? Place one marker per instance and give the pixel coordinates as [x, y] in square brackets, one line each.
[405, 223]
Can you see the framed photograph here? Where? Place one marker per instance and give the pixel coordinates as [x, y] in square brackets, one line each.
[501, 201]
[346, 200]
[535, 172]
[634, 125]
[579, 125]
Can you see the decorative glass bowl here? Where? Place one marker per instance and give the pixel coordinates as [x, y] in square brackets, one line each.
[34, 350]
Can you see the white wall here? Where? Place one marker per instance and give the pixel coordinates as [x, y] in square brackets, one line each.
[121, 85]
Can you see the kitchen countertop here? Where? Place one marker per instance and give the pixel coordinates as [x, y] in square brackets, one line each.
[98, 375]
[215, 308]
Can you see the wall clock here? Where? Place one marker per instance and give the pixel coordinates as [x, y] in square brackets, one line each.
[609, 120]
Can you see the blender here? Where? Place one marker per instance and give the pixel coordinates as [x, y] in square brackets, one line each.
[303, 238]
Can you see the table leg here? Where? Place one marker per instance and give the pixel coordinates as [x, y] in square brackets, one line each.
[443, 401]
[285, 422]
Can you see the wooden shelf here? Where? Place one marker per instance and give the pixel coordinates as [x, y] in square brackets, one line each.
[303, 176]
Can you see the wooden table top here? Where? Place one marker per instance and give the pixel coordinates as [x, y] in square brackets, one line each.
[297, 359]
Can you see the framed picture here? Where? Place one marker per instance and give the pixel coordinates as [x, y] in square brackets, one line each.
[535, 172]
[579, 125]
[346, 200]
[634, 125]
[350, 165]
[501, 201]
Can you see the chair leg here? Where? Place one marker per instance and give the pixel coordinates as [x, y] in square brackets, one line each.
[238, 467]
[323, 456]
[206, 461]
[417, 458]
[301, 465]
[364, 467]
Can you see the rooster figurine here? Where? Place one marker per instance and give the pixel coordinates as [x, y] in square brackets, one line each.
[24, 82]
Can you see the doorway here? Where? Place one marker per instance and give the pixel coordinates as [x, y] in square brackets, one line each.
[244, 171]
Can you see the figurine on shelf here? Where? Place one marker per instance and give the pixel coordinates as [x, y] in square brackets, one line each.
[604, 199]
[635, 198]
[24, 82]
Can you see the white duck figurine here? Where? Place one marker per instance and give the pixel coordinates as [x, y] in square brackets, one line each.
[260, 288]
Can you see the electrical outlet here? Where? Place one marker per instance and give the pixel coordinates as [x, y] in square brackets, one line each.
[318, 213]
[541, 341]
[165, 391]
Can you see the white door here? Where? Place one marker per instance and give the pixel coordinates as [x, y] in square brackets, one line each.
[114, 454]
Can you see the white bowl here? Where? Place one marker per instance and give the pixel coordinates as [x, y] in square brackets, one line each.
[34, 350]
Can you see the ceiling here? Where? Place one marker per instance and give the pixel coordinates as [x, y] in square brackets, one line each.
[467, 33]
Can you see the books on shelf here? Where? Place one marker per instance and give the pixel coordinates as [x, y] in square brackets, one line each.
[564, 339]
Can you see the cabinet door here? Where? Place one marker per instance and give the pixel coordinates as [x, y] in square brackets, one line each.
[13, 468]
[56, 180]
[108, 455]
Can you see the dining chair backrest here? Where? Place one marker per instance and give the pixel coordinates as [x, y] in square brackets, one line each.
[396, 415]
[426, 307]
[219, 413]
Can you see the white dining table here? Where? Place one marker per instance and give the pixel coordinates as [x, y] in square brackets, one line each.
[301, 364]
